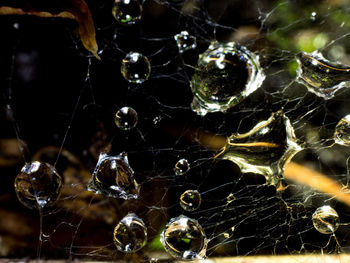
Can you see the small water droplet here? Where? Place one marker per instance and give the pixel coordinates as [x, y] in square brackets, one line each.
[185, 41]
[225, 75]
[181, 167]
[16, 25]
[230, 198]
[320, 76]
[126, 118]
[114, 177]
[229, 233]
[342, 131]
[183, 238]
[190, 200]
[265, 149]
[135, 68]
[127, 12]
[325, 220]
[38, 185]
[313, 16]
[157, 120]
[130, 234]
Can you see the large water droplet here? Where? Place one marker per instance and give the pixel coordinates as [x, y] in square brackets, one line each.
[184, 238]
[181, 167]
[190, 200]
[265, 149]
[321, 76]
[135, 68]
[342, 131]
[130, 234]
[225, 75]
[127, 12]
[126, 118]
[325, 220]
[185, 41]
[38, 185]
[114, 177]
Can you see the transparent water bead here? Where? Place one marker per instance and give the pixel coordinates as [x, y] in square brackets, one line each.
[183, 238]
[185, 41]
[130, 235]
[313, 16]
[265, 149]
[181, 167]
[38, 185]
[126, 118]
[135, 68]
[325, 220]
[342, 131]
[114, 177]
[225, 75]
[127, 12]
[320, 76]
[190, 200]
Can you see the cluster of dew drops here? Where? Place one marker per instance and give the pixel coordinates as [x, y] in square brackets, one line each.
[38, 184]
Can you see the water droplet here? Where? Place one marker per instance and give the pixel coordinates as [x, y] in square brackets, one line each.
[126, 118]
[135, 68]
[320, 76]
[38, 185]
[265, 149]
[225, 75]
[229, 233]
[325, 220]
[226, 235]
[181, 167]
[130, 234]
[313, 16]
[184, 238]
[114, 177]
[185, 41]
[342, 131]
[127, 12]
[230, 198]
[157, 120]
[190, 200]
[16, 25]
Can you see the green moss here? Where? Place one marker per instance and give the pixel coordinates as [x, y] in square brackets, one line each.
[309, 43]
[341, 17]
[292, 68]
[156, 244]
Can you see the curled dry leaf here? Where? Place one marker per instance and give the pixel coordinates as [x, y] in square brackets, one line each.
[71, 9]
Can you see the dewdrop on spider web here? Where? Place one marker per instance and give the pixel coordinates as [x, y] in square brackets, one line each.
[321, 76]
[38, 185]
[342, 131]
[190, 200]
[135, 68]
[127, 12]
[265, 149]
[126, 118]
[181, 167]
[225, 75]
[183, 238]
[325, 220]
[114, 177]
[130, 234]
[185, 41]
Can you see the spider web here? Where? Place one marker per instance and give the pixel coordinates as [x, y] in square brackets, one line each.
[59, 103]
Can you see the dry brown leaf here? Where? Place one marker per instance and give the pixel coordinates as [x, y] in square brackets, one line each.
[71, 9]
